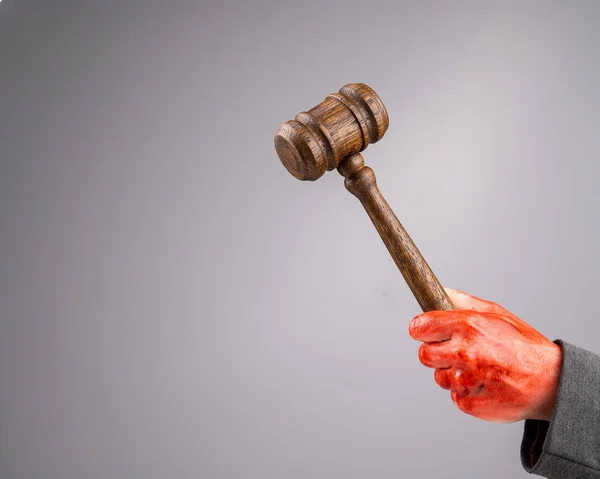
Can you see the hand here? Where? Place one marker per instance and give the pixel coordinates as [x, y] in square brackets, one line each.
[497, 366]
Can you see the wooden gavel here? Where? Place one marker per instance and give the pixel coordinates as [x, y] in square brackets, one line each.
[331, 135]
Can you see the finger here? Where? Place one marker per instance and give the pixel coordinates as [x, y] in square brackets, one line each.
[442, 378]
[466, 301]
[464, 383]
[456, 380]
[468, 403]
[437, 355]
[435, 325]
[459, 383]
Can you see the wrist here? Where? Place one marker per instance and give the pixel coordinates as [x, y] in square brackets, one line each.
[548, 380]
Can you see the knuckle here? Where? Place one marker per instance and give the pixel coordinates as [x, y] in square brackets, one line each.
[458, 354]
[468, 380]
[473, 323]
[470, 321]
[461, 354]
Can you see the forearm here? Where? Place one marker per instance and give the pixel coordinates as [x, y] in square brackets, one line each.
[569, 445]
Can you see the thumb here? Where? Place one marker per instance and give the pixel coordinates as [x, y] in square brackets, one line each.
[464, 301]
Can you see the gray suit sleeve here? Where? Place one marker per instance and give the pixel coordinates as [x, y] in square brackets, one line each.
[569, 445]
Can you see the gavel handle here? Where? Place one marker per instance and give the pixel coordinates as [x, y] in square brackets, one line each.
[360, 181]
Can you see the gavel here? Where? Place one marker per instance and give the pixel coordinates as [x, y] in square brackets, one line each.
[331, 135]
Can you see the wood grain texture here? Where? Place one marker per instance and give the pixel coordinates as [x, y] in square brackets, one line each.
[344, 123]
[331, 135]
[360, 181]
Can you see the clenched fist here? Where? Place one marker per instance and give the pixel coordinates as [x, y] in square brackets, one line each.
[497, 366]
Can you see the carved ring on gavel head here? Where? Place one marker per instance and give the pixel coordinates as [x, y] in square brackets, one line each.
[341, 125]
[332, 135]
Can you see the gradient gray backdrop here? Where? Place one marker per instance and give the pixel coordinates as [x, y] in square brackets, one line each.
[173, 304]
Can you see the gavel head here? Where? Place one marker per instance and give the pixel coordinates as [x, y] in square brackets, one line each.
[343, 124]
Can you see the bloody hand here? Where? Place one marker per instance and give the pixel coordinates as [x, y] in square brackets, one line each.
[497, 366]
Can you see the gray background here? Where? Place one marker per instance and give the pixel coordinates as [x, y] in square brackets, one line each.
[173, 304]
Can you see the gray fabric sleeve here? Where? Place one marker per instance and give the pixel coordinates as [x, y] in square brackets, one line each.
[569, 445]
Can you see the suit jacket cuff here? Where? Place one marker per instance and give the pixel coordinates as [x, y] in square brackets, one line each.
[569, 445]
